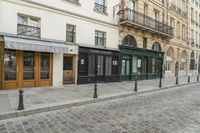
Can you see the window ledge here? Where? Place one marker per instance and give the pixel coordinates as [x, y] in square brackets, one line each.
[103, 13]
[73, 3]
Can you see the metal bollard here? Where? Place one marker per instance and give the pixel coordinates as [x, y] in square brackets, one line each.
[176, 80]
[135, 89]
[21, 101]
[188, 79]
[160, 83]
[198, 77]
[95, 91]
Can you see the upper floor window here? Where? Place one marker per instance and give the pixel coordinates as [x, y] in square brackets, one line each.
[71, 33]
[129, 41]
[28, 26]
[100, 38]
[100, 6]
[156, 47]
[73, 1]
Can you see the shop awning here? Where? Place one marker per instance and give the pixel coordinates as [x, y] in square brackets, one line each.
[36, 45]
[169, 58]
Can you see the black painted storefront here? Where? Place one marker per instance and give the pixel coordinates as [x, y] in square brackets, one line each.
[143, 63]
[100, 64]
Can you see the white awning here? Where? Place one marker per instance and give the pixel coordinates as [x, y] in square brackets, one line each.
[183, 60]
[169, 58]
[38, 45]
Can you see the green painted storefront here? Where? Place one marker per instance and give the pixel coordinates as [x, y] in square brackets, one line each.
[140, 63]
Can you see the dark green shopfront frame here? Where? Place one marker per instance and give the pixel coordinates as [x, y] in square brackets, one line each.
[144, 54]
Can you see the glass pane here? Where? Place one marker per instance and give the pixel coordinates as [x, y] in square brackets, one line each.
[28, 69]
[127, 67]
[68, 63]
[45, 66]
[10, 65]
[123, 67]
[91, 64]
[134, 65]
[108, 66]
[100, 66]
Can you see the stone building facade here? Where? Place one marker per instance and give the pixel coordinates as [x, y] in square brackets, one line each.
[194, 33]
[177, 61]
[146, 23]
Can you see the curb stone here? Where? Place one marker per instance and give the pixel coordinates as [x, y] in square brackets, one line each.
[80, 102]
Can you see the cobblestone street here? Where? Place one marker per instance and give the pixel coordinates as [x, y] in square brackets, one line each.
[174, 110]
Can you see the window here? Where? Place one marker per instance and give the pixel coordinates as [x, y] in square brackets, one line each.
[91, 65]
[145, 9]
[73, 1]
[144, 43]
[28, 26]
[156, 47]
[108, 66]
[45, 66]
[192, 61]
[28, 68]
[68, 63]
[71, 33]
[183, 32]
[178, 30]
[100, 38]
[129, 41]
[100, 65]
[100, 6]
[10, 65]
[168, 66]
[153, 65]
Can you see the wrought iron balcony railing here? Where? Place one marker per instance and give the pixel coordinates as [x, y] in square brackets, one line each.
[100, 8]
[139, 19]
[28, 30]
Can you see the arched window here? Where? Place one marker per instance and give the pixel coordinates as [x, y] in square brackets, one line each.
[156, 46]
[192, 61]
[129, 41]
[169, 59]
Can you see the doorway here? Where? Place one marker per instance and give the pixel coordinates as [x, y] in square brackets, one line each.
[68, 69]
[26, 69]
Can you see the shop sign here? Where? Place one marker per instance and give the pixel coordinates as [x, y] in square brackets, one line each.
[82, 61]
[101, 52]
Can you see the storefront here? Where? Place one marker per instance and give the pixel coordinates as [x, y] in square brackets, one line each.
[98, 64]
[30, 62]
[140, 63]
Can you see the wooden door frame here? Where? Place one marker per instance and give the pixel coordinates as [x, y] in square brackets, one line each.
[73, 66]
[44, 82]
[11, 83]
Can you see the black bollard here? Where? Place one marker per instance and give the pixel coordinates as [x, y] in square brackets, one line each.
[160, 83]
[95, 91]
[188, 79]
[135, 89]
[21, 101]
[197, 77]
[177, 80]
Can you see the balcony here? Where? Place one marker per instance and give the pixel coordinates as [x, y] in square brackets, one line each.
[139, 20]
[26, 30]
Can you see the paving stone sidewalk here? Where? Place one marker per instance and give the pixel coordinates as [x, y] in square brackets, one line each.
[51, 96]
